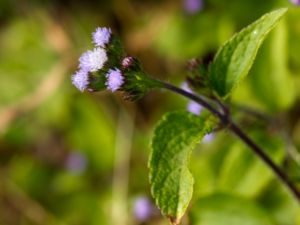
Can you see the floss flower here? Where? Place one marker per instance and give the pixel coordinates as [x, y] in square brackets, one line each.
[193, 6]
[186, 87]
[101, 36]
[106, 67]
[76, 163]
[143, 209]
[295, 2]
[115, 79]
[208, 138]
[94, 60]
[194, 107]
[80, 80]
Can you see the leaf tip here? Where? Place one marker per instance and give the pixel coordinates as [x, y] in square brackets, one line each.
[280, 12]
[283, 10]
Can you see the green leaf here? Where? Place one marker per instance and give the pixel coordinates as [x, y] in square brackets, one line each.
[224, 209]
[171, 181]
[234, 60]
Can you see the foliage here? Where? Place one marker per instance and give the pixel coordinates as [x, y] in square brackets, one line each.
[62, 154]
[171, 181]
[175, 136]
[234, 60]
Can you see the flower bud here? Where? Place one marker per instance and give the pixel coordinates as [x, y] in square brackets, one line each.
[137, 82]
[127, 62]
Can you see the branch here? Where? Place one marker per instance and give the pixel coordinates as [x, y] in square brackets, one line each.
[227, 122]
[263, 156]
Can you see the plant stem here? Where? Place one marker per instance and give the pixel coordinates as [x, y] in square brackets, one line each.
[276, 169]
[227, 122]
[193, 97]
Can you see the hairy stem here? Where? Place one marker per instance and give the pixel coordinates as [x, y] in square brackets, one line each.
[227, 122]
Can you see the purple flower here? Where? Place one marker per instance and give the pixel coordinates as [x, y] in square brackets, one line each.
[186, 87]
[295, 2]
[101, 36]
[80, 80]
[142, 209]
[192, 6]
[76, 162]
[92, 61]
[208, 138]
[194, 107]
[115, 79]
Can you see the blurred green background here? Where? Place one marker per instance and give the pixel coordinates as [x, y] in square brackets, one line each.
[81, 158]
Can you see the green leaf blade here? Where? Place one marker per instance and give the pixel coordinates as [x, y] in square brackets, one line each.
[171, 181]
[234, 60]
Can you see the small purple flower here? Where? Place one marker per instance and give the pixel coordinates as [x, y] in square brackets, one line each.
[208, 138]
[127, 61]
[76, 162]
[192, 6]
[80, 80]
[101, 36]
[142, 209]
[295, 2]
[115, 79]
[94, 60]
[194, 107]
[186, 87]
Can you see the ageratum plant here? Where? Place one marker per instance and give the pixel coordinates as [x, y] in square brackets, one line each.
[108, 67]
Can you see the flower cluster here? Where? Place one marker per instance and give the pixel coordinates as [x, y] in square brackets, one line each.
[96, 60]
[108, 67]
